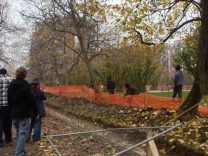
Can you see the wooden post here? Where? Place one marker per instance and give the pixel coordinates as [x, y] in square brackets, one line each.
[151, 146]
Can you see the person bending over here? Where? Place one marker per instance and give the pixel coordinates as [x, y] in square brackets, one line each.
[130, 90]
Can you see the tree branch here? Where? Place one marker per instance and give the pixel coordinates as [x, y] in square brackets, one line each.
[169, 35]
[180, 26]
[141, 38]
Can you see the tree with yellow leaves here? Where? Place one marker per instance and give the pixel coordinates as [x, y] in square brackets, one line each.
[156, 21]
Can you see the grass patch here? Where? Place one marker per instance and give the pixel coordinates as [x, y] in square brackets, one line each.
[168, 94]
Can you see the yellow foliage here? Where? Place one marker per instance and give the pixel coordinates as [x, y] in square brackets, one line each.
[154, 19]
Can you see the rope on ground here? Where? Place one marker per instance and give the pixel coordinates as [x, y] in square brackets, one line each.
[53, 146]
[105, 130]
[147, 140]
[181, 114]
[157, 135]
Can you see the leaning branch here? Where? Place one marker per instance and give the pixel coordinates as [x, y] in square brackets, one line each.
[141, 38]
[169, 35]
[180, 26]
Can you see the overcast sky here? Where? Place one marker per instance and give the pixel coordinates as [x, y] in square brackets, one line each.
[15, 53]
[15, 6]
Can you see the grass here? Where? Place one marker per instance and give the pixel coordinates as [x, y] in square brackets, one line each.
[163, 94]
[168, 94]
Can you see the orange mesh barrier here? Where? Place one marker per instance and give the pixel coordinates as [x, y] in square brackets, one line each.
[141, 100]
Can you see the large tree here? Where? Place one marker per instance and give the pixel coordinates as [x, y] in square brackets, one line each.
[78, 18]
[156, 21]
[50, 60]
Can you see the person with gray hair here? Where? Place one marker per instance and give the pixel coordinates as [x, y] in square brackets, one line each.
[5, 119]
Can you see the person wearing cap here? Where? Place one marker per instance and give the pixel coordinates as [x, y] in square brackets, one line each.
[5, 119]
[36, 122]
[178, 82]
[21, 103]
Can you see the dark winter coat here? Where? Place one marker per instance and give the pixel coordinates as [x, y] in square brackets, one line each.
[21, 100]
[39, 97]
[131, 91]
[111, 85]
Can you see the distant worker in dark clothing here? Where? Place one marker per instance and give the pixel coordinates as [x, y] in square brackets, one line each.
[5, 119]
[21, 103]
[111, 85]
[130, 90]
[91, 85]
[36, 122]
[178, 82]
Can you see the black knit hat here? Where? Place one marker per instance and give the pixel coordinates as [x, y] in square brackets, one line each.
[3, 71]
[178, 67]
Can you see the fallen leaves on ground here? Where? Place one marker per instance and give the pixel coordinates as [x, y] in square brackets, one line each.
[51, 126]
[192, 135]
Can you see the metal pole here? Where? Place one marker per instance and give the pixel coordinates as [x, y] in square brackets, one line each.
[109, 129]
[145, 141]
[56, 150]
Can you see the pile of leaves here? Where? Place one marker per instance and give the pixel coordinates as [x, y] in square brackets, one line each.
[191, 138]
[204, 102]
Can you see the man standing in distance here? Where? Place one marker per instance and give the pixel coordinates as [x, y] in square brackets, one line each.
[178, 82]
[111, 85]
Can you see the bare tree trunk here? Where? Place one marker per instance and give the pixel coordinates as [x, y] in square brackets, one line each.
[92, 75]
[56, 70]
[200, 86]
[84, 43]
[202, 62]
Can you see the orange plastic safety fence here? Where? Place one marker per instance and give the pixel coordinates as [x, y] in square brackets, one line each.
[140, 100]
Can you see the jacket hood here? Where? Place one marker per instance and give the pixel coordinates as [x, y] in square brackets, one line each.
[18, 82]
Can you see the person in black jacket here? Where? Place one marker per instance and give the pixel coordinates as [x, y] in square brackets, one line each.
[21, 103]
[130, 90]
[111, 85]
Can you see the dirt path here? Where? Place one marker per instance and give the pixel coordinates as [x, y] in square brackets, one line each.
[51, 126]
[55, 123]
[102, 143]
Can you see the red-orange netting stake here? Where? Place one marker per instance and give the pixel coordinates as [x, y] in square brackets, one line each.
[142, 100]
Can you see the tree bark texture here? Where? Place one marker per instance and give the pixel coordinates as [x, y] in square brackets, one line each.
[84, 43]
[200, 86]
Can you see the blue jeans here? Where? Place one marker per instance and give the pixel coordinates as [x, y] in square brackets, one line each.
[22, 129]
[36, 124]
